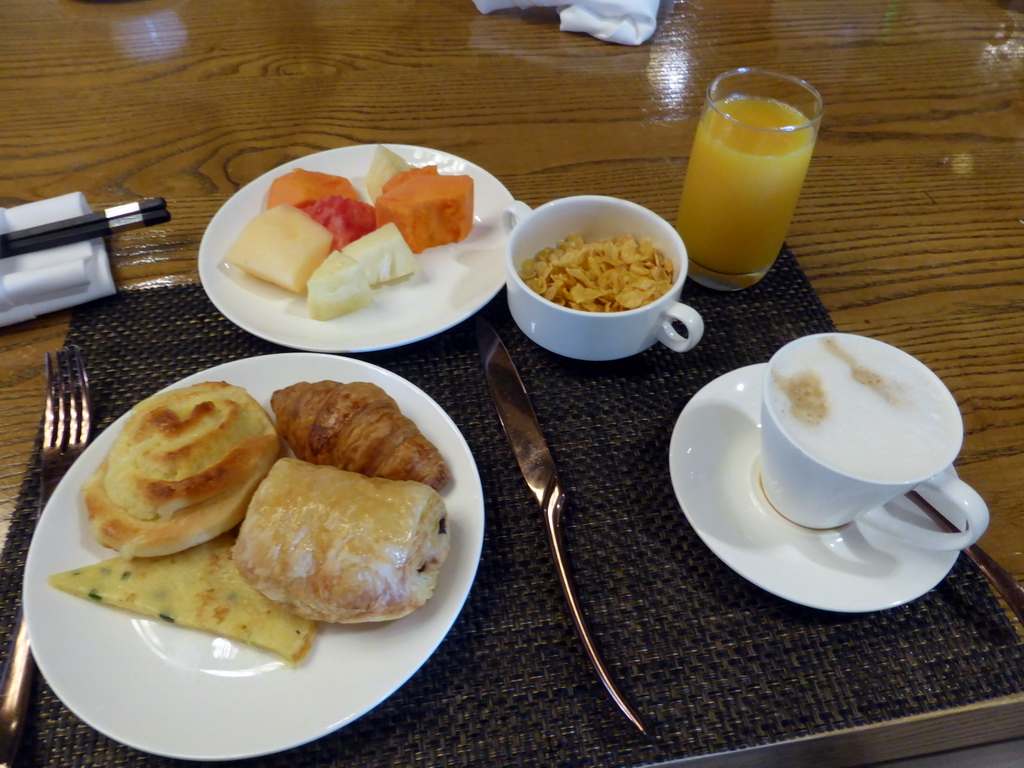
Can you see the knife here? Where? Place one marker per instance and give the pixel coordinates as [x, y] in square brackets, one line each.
[538, 467]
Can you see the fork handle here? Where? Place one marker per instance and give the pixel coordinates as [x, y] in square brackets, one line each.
[14, 690]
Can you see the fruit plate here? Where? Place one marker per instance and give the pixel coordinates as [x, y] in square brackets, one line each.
[186, 694]
[453, 282]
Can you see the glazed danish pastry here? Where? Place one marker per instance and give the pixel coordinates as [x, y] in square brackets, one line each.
[182, 470]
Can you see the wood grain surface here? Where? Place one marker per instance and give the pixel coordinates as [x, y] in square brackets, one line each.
[910, 226]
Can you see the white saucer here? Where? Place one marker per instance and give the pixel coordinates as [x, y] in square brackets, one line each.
[713, 461]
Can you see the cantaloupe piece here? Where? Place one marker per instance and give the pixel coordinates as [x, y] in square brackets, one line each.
[400, 178]
[282, 246]
[383, 254]
[337, 287]
[383, 166]
[429, 210]
[301, 187]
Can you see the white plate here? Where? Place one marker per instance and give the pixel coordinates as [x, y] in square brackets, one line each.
[183, 693]
[713, 461]
[454, 281]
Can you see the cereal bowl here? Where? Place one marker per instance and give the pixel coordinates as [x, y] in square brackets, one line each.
[588, 335]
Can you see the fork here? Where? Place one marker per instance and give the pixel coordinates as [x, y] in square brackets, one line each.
[67, 424]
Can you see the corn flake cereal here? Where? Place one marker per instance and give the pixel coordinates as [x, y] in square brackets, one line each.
[604, 276]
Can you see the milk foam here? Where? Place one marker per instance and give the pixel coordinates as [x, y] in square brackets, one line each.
[865, 408]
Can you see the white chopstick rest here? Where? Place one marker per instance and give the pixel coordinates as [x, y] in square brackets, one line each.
[34, 284]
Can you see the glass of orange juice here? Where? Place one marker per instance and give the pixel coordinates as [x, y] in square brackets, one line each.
[743, 179]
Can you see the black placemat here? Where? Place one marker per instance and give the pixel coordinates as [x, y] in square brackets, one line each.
[713, 662]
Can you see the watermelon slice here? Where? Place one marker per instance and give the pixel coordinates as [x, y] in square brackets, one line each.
[347, 219]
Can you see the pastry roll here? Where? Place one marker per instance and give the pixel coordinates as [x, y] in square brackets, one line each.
[357, 427]
[182, 470]
[338, 546]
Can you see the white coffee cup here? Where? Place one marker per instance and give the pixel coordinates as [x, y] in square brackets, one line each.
[849, 423]
[596, 335]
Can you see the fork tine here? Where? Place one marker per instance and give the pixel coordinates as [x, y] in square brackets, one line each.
[75, 397]
[68, 414]
[81, 379]
[69, 418]
[51, 417]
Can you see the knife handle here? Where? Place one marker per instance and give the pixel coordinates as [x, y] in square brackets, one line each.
[553, 506]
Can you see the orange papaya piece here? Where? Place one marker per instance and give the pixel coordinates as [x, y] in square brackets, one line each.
[428, 209]
[301, 187]
[412, 173]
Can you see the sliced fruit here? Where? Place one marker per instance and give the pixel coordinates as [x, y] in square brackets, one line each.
[383, 254]
[301, 187]
[412, 173]
[429, 210]
[282, 246]
[347, 219]
[338, 286]
[384, 165]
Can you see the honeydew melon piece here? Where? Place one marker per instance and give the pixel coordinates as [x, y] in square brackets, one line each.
[383, 254]
[383, 166]
[337, 287]
[283, 246]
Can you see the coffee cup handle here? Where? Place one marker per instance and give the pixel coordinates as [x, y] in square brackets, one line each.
[958, 503]
[689, 317]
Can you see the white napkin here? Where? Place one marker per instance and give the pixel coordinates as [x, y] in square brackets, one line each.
[628, 22]
[33, 284]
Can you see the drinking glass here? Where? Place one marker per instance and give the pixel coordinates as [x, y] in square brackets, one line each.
[747, 165]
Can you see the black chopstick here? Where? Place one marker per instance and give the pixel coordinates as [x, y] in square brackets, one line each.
[145, 213]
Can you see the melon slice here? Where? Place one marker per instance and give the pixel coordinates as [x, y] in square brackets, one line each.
[383, 166]
[383, 254]
[337, 287]
[283, 246]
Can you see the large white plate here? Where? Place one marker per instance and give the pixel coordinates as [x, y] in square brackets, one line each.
[454, 281]
[183, 693]
[713, 460]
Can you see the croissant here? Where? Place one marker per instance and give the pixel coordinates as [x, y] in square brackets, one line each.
[357, 427]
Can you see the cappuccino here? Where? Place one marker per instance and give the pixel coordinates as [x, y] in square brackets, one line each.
[864, 408]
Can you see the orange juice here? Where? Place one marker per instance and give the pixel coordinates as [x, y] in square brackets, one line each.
[746, 168]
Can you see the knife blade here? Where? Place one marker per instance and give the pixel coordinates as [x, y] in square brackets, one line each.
[519, 421]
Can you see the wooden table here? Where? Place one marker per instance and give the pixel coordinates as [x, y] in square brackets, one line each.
[910, 227]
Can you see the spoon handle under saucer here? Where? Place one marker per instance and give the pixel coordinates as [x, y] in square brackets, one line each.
[1005, 583]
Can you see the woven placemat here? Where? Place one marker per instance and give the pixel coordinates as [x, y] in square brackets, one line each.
[712, 662]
